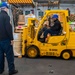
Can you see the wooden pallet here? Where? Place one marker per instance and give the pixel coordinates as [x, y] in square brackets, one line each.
[18, 30]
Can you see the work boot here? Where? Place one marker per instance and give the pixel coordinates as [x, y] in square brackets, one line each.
[1, 72]
[13, 72]
[48, 36]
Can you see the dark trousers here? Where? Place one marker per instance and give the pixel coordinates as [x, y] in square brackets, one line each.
[7, 48]
[50, 32]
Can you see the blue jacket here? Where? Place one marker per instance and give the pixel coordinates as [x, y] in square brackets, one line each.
[5, 26]
[56, 26]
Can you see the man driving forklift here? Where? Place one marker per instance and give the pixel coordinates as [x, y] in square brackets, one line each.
[53, 30]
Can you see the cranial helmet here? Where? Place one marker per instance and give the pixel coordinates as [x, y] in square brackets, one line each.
[55, 16]
[3, 5]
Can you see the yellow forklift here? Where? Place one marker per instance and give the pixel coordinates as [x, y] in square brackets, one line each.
[57, 45]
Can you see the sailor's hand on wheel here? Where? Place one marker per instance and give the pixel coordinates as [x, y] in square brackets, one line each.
[12, 42]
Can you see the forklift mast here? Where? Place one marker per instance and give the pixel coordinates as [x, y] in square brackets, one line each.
[31, 27]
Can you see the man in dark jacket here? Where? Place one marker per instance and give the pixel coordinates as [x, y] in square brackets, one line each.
[6, 40]
[55, 29]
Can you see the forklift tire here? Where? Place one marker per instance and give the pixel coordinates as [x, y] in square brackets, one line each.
[66, 54]
[32, 52]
